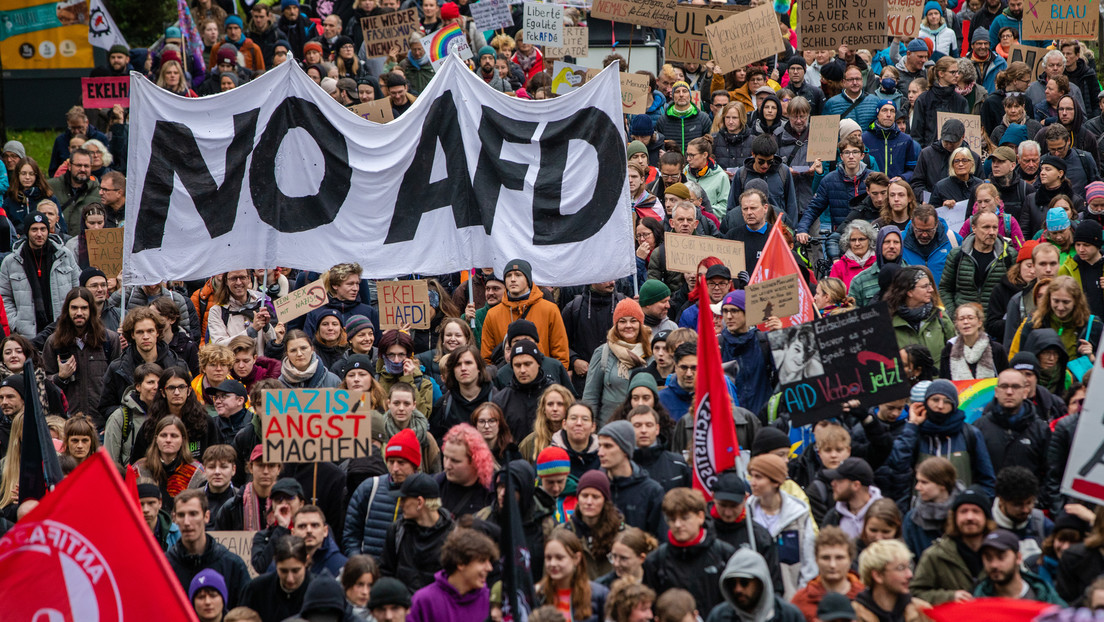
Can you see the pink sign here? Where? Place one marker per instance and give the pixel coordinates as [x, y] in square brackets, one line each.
[105, 92]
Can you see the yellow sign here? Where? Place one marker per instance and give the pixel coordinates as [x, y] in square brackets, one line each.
[45, 35]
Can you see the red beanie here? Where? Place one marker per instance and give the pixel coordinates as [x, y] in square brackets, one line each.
[628, 308]
[450, 10]
[312, 45]
[404, 445]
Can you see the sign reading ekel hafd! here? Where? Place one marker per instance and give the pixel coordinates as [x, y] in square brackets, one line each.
[316, 425]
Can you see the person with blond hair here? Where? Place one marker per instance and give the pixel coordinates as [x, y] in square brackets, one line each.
[885, 568]
[342, 283]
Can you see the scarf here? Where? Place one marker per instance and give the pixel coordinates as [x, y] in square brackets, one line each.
[180, 474]
[290, 375]
[418, 63]
[526, 62]
[685, 545]
[948, 427]
[38, 265]
[251, 516]
[859, 260]
[40, 383]
[915, 315]
[692, 111]
[1051, 379]
[1004, 522]
[418, 423]
[979, 355]
[932, 515]
[629, 356]
[703, 171]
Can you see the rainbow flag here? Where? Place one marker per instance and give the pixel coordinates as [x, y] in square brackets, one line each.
[444, 42]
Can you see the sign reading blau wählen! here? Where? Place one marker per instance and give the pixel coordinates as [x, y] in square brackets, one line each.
[316, 425]
[1045, 20]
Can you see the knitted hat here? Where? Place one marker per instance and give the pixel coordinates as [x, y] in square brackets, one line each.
[653, 291]
[886, 102]
[16, 147]
[33, 218]
[770, 466]
[553, 461]
[847, 126]
[521, 266]
[641, 125]
[235, 20]
[172, 32]
[404, 445]
[355, 324]
[1089, 232]
[522, 328]
[660, 336]
[595, 479]
[832, 71]
[88, 273]
[210, 579]
[1025, 361]
[356, 361]
[524, 347]
[932, 5]
[620, 432]
[486, 50]
[1052, 160]
[735, 298]
[797, 60]
[636, 147]
[231, 76]
[917, 45]
[681, 84]
[450, 10]
[340, 42]
[226, 53]
[1026, 250]
[170, 55]
[1095, 190]
[149, 491]
[678, 190]
[769, 439]
[916, 395]
[312, 45]
[974, 495]
[286, 3]
[643, 379]
[981, 33]
[282, 43]
[835, 606]
[1006, 153]
[931, 44]
[119, 48]
[942, 387]
[628, 308]
[1057, 219]
[388, 591]
[1014, 135]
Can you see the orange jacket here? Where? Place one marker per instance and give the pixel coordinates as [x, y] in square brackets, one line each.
[201, 298]
[254, 58]
[544, 313]
[807, 598]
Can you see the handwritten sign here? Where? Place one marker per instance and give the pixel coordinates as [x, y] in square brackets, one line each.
[827, 24]
[823, 137]
[382, 32]
[567, 77]
[105, 92]
[240, 543]
[686, 40]
[576, 42]
[301, 301]
[685, 252]
[403, 302]
[973, 136]
[1046, 20]
[1028, 55]
[378, 110]
[903, 17]
[316, 425]
[744, 38]
[834, 359]
[105, 249]
[778, 297]
[1084, 470]
[652, 13]
[544, 24]
[491, 14]
[636, 93]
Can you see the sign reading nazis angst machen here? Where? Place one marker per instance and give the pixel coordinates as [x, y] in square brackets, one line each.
[465, 177]
[744, 38]
[827, 24]
[316, 425]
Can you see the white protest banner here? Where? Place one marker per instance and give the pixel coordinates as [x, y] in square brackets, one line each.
[544, 24]
[209, 193]
[1084, 471]
[301, 301]
[567, 77]
[954, 216]
[491, 14]
[316, 425]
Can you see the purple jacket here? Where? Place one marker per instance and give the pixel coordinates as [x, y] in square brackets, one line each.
[440, 601]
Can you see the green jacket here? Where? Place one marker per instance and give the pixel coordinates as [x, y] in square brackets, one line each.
[940, 573]
[864, 287]
[1070, 268]
[934, 333]
[480, 315]
[1044, 592]
[957, 286]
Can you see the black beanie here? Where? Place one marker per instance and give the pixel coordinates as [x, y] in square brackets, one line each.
[32, 218]
[974, 495]
[768, 439]
[1089, 232]
[526, 347]
[15, 382]
[87, 274]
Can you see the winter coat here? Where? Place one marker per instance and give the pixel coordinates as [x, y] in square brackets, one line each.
[957, 286]
[441, 601]
[695, 568]
[581, 462]
[72, 201]
[598, 595]
[753, 372]
[322, 378]
[224, 322]
[587, 320]
[82, 389]
[895, 152]
[1083, 76]
[846, 268]
[925, 523]
[419, 75]
[122, 428]
[925, 126]
[835, 192]
[934, 254]
[411, 553]
[544, 313]
[372, 509]
[1078, 568]
[345, 309]
[677, 400]
[666, 467]
[996, 65]
[737, 535]
[265, 596]
[863, 114]
[932, 167]
[605, 387]
[943, 38]
[1016, 440]
[807, 598]
[683, 128]
[297, 32]
[263, 368]
[952, 188]
[896, 477]
[997, 307]
[780, 192]
[730, 150]
[1057, 454]
[913, 610]
[640, 499]
[940, 573]
[60, 153]
[215, 557]
[874, 440]
[715, 184]
[932, 333]
[1044, 592]
[1036, 92]
[519, 403]
[120, 374]
[999, 354]
[252, 53]
[770, 607]
[795, 533]
[15, 287]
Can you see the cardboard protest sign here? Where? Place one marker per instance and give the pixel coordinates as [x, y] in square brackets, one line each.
[544, 24]
[240, 543]
[105, 92]
[777, 297]
[378, 110]
[316, 425]
[744, 38]
[1030, 56]
[105, 250]
[686, 40]
[1084, 474]
[652, 13]
[382, 32]
[635, 91]
[567, 77]
[827, 24]
[301, 301]
[491, 14]
[823, 137]
[403, 302]
[684, 252]
[903, 17]
[974, 137]
[448, 40]
[1046, 20]
[576, 43]
[847, 356]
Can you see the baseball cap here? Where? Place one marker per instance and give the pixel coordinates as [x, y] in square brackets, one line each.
[718, 270]
[855, 469]
[420, 485]
[229, 386]
[730, 487]
[1001, 540]
[288, 486]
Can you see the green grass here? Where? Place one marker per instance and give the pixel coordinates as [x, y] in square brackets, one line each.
[38, 143]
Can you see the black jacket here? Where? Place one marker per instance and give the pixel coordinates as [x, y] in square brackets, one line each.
[932, 167]
[640, 499]
[874, 440]
[216, 557]
[696, 569]
[452, 409]
[120, 374]
[265, 596]
[331, 493]
[1056, 456]
[1078, 567]
[666, 467]
[736, 534]
[925, 126]
[460, 500]
[730, 150]
[998, 306]
[519, 403]
[412, 553]
[587, 321]
[1015, 441]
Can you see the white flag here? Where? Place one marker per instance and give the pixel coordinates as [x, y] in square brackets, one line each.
[102, 31]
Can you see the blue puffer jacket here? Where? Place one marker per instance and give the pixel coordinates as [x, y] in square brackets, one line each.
[863, 114]
[677, 400]
[753, 366]
[366, 526]
[934, 255]
[896, 153]
[834, 193]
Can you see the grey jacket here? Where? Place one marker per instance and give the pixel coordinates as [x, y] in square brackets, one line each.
[15, 288]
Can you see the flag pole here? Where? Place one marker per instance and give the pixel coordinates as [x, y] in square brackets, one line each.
[471, 295]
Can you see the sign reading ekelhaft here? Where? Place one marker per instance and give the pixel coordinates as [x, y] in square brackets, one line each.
[277, 173]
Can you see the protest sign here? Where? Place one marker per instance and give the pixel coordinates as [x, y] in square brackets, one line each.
[576, 43]
[301, 301]
[1030, 56]
[444, 152]
[544, 24]
[636, 93]
[316, 425]
[974, 134]
[1084, 469]
[403, 302]
[827, 24]
[387, 30]
[105, 249]
[491, 14]
[567, 77]
[1046, 20]
[954, 216]
[684, 252]
[777, 297]
[240, 543]
[378, 110]
[652, 13]
[686, 40]
[744, 38]
[903, 17]
[823, 137]
[444, 43]
[847, 356]
[105, 92]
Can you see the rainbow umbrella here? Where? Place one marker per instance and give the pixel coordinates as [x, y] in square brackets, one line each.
[973, 395]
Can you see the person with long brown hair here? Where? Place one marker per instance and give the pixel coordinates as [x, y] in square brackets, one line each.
[175, 398]
[26, 188]
[596, 521]
[168, 461]
[1064, 309]
[936, 487]
[628, 346]
[488, 419]
[467, 384]
[453, 333]
[330, 341]
[79, 369]
[917, 311]
[551, 413]
[566, 583]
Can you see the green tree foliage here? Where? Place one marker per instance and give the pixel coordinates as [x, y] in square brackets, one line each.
[142, 21]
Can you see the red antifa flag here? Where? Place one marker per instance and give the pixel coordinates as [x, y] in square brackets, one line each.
[85, 553]
[715, 444]
[778, 260]
[1004, 609]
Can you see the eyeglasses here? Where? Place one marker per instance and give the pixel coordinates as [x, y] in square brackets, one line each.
[920, 230]
[486, 423]
[672, 177]
[180, 388]
[614, 558]
[858, 79]
[850, 153]
[1010, 387]
[962, 160]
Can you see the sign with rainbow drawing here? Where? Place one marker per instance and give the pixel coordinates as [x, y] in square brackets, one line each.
[446, 41]
[974, 395]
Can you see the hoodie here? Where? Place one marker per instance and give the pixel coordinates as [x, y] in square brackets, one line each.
[440, 601]
[746, 563]
[864, 286]
[794, 530]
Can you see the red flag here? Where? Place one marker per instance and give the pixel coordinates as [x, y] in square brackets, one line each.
[715, 444]
[778, 260]
[1005, 609]
[85, 553]
[132, 482]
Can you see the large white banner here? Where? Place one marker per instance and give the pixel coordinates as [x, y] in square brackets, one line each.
[277, 173]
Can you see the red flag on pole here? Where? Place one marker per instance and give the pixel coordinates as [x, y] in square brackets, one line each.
[85, 553]
[778, 260]
[715, 444]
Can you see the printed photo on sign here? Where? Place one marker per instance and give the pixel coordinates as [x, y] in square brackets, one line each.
[795, 353]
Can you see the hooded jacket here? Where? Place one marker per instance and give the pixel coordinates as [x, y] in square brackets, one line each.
[267, 597]
[216, 557]
[412, 553]
[835, 193]
[840, 515]
[795, 532]
[941, 572]
[925, 126]
[1017, 439]
[441, 601]
[372, 509]
[933, 254]
[793, 148]
[17, 293]
[770, 607]
[536, 512]
[863, 114]
[864, 286]
[122, 428]
[695, 568]
[958, 285]
[895, 152]
[544, 313]
[581, 462]
[1044, 592]
[780, 192]
[677, 400]
[714, 183]
[683, 127]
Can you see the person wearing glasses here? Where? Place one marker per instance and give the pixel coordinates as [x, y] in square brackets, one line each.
[238, 310]
[767, 165]
[1014, 433]
[886, 568]
[113, 198]
[941, 97]
[837, 189]
[853, 103]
